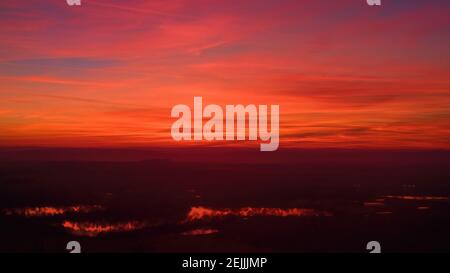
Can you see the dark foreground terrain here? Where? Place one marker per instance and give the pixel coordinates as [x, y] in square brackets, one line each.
[297, 201]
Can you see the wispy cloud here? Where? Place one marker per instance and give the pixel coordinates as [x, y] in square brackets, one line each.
[110, 71]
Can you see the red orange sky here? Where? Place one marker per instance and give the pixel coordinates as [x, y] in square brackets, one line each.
[107, 73]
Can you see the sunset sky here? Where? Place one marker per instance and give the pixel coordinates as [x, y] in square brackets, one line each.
[107, 73]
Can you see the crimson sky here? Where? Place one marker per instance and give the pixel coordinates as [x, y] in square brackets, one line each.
[107, 73]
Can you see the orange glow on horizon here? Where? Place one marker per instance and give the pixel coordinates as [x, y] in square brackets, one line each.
[94, 229]
[418, 198]
[51, 211]
[199, 213]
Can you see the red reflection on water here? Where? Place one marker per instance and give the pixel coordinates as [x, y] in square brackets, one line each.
[418, 198]
[51, 211]
[93, 229]
[200, 231]
[197, 213]
[373, 204]
[384, 212]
